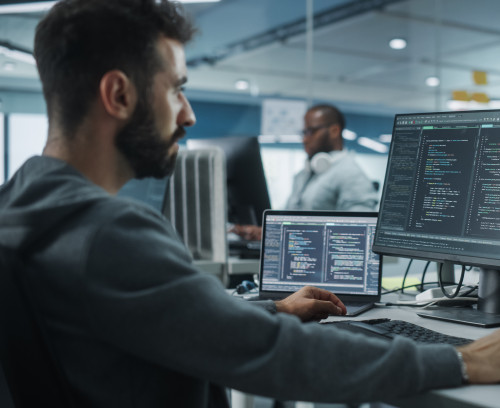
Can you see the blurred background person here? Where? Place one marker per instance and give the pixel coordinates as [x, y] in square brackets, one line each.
[331, 178]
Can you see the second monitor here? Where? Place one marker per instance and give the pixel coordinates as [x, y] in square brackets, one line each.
[441, 199]
[247, 193]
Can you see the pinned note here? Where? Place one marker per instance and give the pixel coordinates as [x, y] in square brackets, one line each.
[480, 77]
[480, 97]
[461, 96]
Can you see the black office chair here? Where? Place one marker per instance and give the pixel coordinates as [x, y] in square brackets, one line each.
[5, 398]
[31, 372]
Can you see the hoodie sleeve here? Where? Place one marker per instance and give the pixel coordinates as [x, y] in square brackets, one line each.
[143, 295]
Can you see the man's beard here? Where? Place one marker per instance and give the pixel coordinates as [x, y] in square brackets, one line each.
[141, 144]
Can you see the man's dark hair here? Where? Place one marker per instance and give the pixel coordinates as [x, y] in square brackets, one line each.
[80, 40]
[331, 115]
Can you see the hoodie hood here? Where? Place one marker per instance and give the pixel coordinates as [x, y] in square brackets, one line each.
[40, 196]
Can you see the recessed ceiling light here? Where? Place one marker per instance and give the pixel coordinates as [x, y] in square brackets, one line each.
[242, 84]
[397, 43]
[432, 81]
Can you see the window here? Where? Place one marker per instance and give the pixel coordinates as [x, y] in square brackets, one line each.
[27, 135]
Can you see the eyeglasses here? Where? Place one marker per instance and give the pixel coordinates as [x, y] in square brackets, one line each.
[313, 129]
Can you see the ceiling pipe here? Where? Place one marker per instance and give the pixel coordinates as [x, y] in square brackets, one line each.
[298, 27]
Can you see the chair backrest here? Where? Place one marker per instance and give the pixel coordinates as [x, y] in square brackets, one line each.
[33, 376]
[5, 397]
[196, 204]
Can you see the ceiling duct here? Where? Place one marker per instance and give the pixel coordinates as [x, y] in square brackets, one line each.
[283, 32]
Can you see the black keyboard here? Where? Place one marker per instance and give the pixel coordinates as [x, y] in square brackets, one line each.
[389, 329]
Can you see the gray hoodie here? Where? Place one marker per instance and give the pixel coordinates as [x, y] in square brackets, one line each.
[134, 324]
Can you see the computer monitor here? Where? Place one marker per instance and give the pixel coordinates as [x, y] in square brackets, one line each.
[441, 199]
[247, 193]
[149, 190]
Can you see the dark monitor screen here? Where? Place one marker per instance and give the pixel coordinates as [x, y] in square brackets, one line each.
[247, 193]
[150, 191]
[441, 196]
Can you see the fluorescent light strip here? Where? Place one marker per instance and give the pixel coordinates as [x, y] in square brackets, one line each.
[26, 7]
[385, 138]
[17, 55]
[46, 5]
[349, 134]
[373, 145]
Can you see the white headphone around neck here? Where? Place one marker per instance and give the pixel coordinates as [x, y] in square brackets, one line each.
[322, 161]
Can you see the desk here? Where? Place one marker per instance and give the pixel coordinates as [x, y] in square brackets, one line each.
[233, 266]
[238, 266]
[473, 396]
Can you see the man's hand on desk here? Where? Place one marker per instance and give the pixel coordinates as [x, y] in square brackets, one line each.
[248, 232]
[310, 303]
[482, 359]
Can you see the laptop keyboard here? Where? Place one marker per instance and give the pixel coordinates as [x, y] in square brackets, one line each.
[389, 329]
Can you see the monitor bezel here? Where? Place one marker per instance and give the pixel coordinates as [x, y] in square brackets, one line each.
[436, 256]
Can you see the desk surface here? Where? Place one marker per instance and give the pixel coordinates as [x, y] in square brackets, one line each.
[486, 396]
[410, 314]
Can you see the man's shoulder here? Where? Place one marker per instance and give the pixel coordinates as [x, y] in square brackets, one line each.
[52, 186]
[128, 206]
[346, 162]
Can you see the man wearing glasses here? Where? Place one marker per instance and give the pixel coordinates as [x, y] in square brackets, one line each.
[331, 179]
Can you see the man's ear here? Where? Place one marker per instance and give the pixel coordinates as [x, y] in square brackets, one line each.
[118, 94]
[335, 136]
[334, 131]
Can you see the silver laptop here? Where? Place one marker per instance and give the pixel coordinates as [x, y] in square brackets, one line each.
[327, 249]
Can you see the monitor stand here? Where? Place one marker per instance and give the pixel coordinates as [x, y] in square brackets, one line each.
[487, 313]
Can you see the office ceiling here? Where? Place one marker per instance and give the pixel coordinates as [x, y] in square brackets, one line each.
[264, 42]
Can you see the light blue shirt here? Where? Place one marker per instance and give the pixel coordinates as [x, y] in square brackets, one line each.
[341, 185]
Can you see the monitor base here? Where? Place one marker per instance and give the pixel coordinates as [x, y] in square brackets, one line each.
[469, 316]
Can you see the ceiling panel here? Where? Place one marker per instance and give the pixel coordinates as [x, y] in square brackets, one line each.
[352, 62]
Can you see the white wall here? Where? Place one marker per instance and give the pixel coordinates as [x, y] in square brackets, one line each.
[280, 165]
